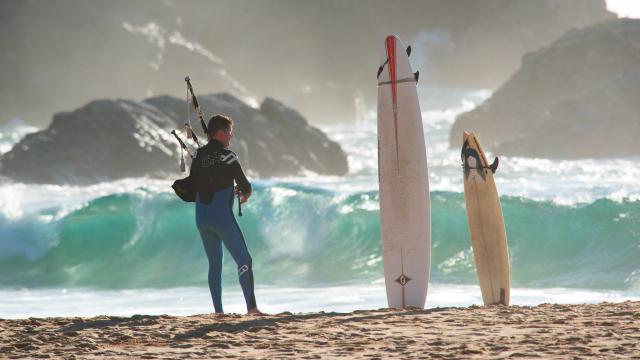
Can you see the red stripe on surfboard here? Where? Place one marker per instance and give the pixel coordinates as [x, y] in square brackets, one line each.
[391, 55]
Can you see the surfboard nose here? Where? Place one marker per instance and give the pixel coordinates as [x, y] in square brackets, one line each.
[465, 136]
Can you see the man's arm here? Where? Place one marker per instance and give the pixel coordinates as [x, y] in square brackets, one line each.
[244, 186]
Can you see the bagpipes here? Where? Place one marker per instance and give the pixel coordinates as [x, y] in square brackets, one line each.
[191, 99]
[186, 188]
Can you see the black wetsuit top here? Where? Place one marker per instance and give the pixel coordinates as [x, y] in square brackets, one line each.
[215, 168]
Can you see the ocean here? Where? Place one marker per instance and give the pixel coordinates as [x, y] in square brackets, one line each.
[131, 246]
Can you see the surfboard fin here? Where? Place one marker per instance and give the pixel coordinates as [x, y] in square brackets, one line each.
[409, 50]
[494, 165]
[416, 75]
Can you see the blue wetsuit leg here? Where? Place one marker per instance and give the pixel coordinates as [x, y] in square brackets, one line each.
[213, 248]
[217, 218]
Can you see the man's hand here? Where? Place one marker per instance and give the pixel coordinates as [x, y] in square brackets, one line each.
[243, 197]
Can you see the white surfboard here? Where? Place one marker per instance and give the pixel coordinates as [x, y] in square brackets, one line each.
[405, 215]
[486, 225]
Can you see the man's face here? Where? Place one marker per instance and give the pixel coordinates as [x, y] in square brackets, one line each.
[226, 135]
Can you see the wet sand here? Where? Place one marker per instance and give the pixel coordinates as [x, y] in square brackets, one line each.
[546, 331]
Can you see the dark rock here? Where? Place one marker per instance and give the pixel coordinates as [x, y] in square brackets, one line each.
[113, 139]
[576, 98]
[271, 141]
[102, 141]
[306, 144]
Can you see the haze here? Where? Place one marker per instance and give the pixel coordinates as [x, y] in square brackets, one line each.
[319, 57]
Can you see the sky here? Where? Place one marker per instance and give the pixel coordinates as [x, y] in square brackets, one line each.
[625, 8]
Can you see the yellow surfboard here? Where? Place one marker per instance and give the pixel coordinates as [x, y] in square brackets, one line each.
[486, 224]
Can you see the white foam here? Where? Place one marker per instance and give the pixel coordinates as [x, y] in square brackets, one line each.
[565, 182]
[24, 303]
[12, 132]
[18, 200]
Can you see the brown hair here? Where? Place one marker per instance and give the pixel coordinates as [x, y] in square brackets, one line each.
[218, 122]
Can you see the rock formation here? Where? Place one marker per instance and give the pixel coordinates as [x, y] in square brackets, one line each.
[112, 139]
[576, 98]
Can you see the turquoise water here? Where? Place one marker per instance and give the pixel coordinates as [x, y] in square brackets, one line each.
[303, 236]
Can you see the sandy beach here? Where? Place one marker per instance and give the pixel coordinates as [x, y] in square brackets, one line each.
[605, 330]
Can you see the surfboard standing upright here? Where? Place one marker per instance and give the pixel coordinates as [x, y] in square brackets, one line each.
[486, 225]
[405, 217]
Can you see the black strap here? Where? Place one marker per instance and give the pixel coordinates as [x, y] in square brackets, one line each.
[397, 81]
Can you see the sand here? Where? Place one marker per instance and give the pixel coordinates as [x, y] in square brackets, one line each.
[546, 331]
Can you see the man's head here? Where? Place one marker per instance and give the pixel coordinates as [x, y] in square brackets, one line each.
[220, 128]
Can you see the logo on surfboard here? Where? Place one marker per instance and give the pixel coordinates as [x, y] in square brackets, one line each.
[403, 279]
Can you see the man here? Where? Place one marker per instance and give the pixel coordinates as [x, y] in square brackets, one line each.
[214, 170]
